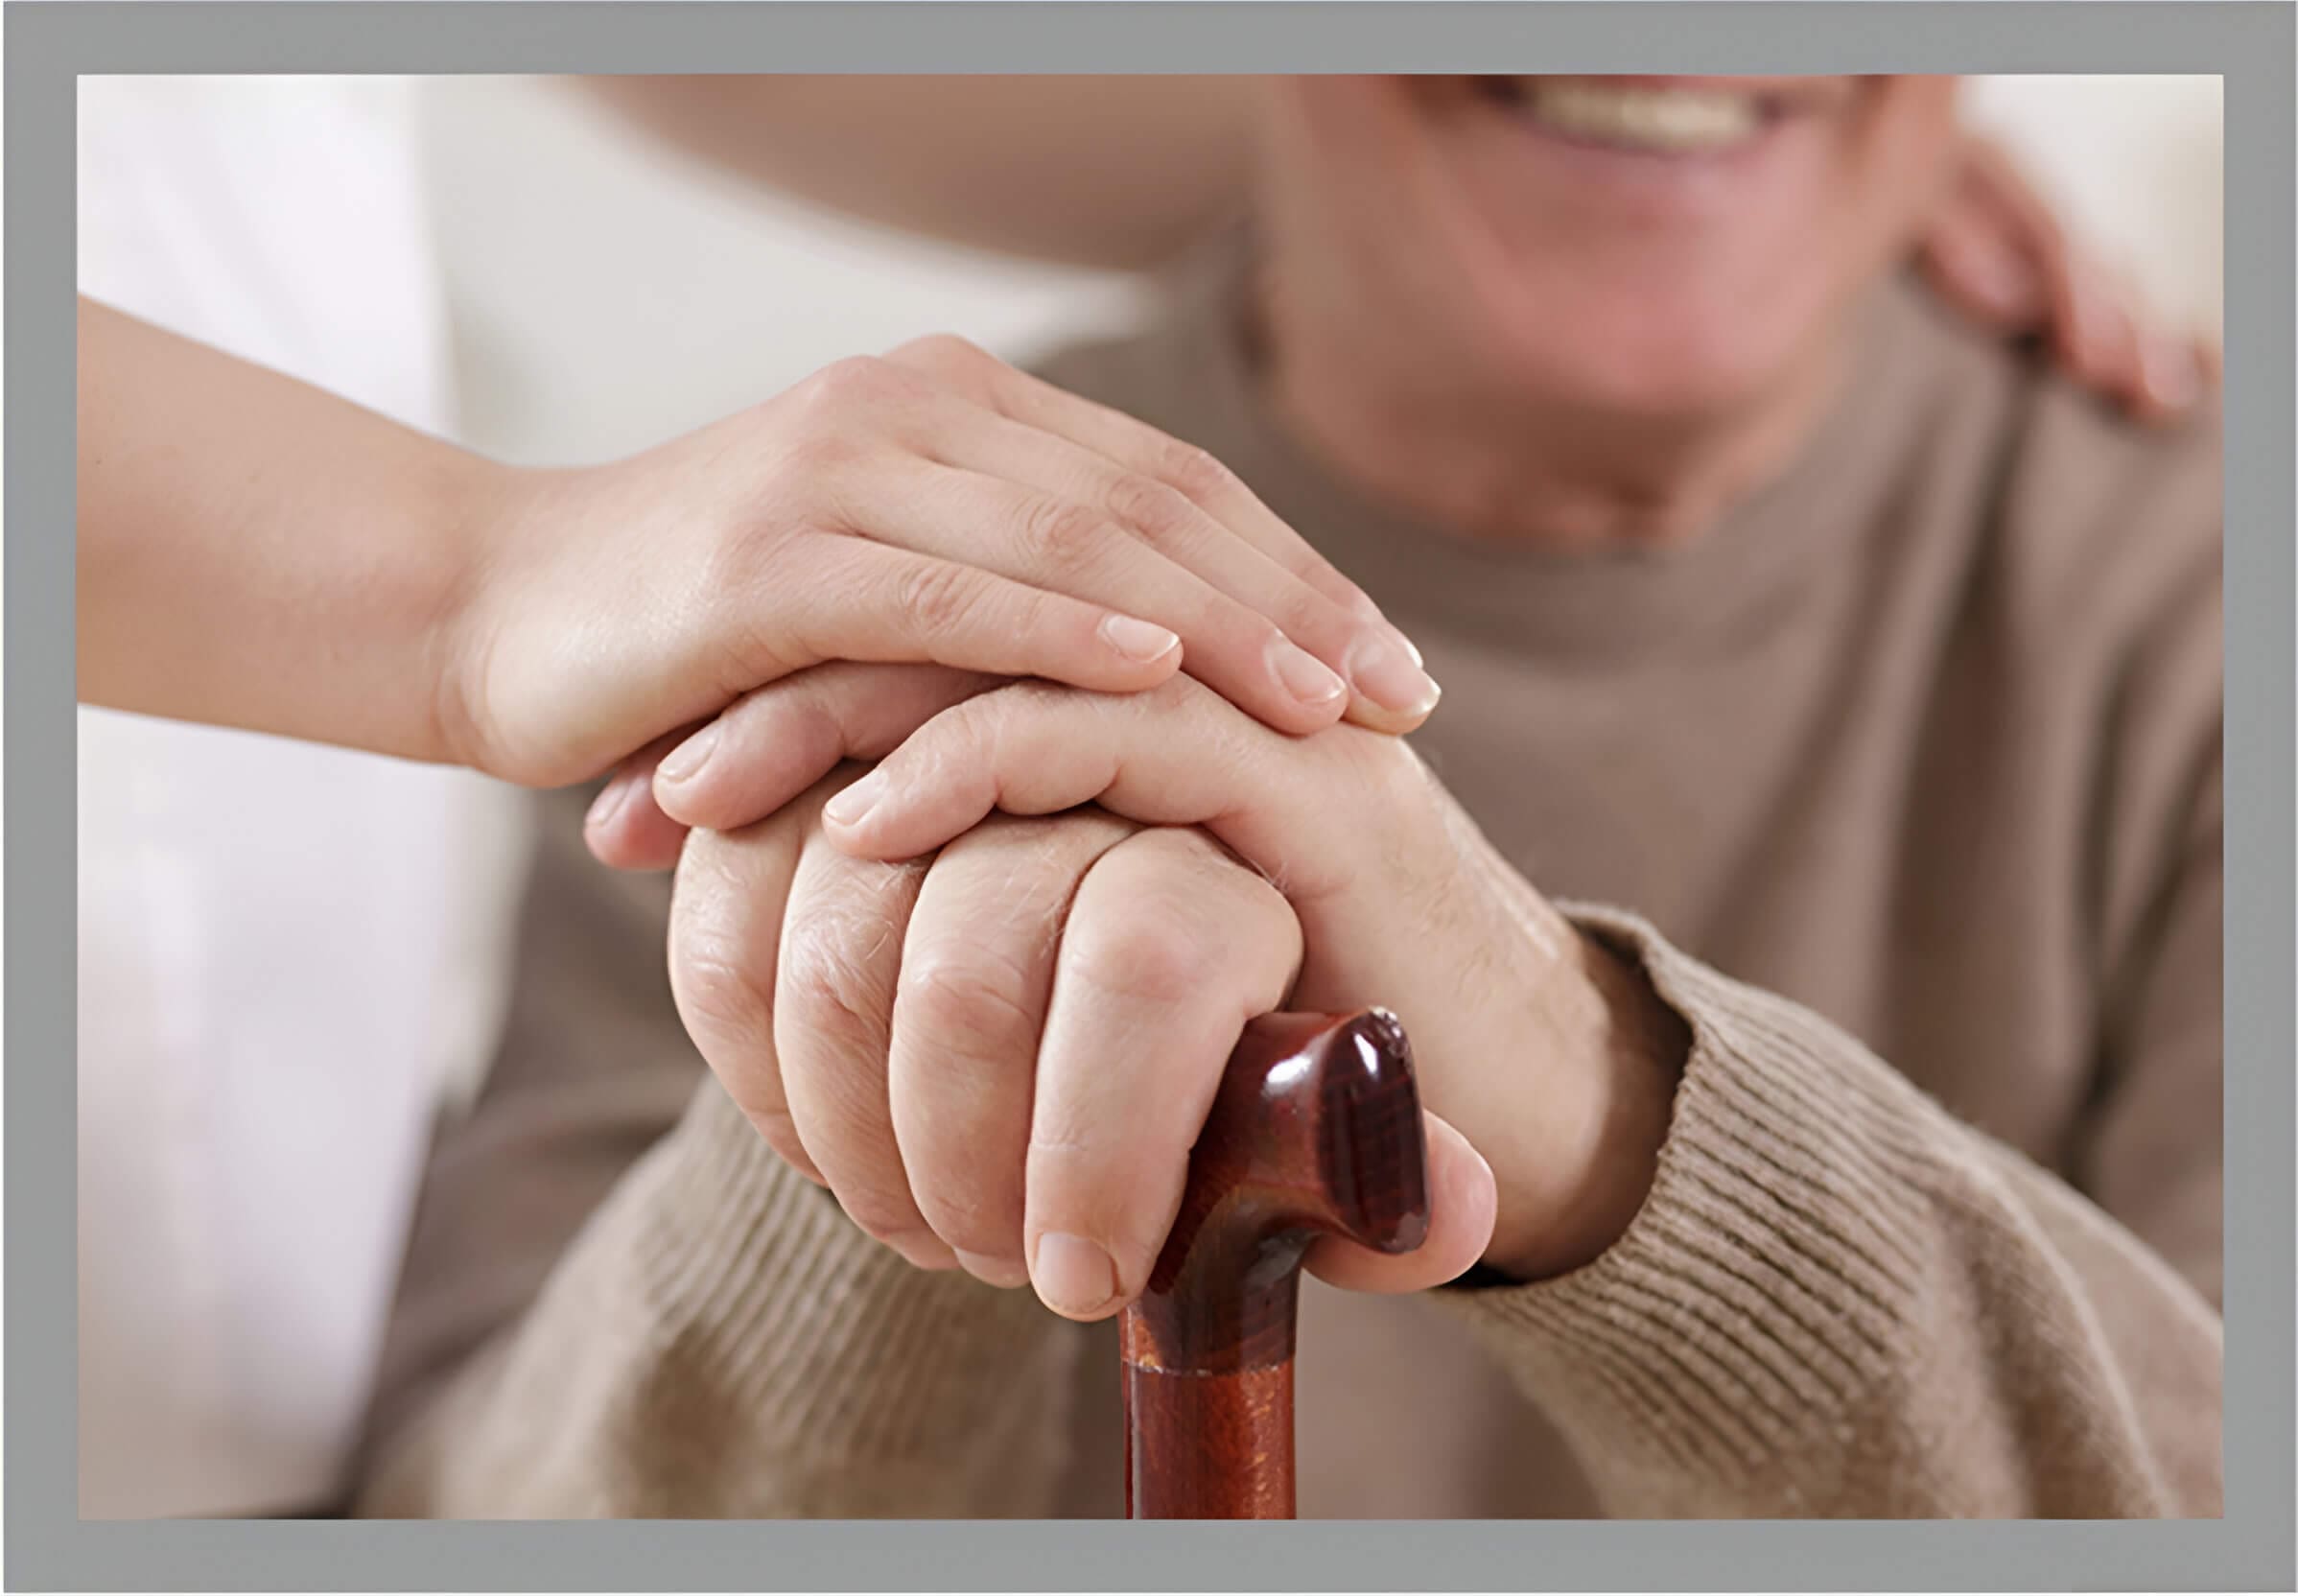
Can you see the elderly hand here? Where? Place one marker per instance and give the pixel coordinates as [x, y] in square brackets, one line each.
[1545, 1050]
[933, 505]
[999, 1060]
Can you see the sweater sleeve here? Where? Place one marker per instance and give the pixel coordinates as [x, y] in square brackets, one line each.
[1840, 1302]
[617, 1302]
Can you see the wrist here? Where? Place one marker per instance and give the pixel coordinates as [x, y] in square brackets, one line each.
[1607, 1092]
[1561, 1068]
[486, 510]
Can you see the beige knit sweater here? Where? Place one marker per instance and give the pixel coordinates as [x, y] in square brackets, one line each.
[1909, 774]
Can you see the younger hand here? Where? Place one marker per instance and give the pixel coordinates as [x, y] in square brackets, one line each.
[935, 506]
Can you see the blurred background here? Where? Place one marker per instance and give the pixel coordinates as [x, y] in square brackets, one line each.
[545, 213]
[752, 292]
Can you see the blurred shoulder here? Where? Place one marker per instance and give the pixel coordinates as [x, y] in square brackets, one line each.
[2089, 519]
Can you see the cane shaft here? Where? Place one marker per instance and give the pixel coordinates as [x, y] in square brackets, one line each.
[1316, 1130]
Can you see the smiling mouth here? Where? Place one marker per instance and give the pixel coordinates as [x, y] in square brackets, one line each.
[1688, 120]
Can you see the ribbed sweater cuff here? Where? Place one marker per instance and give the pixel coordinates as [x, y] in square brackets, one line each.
[1765, 1286]
[762, 1287]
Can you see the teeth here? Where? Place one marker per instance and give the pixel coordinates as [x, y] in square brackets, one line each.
[1670, 121]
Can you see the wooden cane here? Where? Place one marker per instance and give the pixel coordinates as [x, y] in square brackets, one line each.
[1316, 1130]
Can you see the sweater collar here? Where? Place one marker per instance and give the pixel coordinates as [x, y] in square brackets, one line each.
[1734, 577]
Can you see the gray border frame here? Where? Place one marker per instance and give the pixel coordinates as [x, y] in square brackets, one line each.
[2249, 44]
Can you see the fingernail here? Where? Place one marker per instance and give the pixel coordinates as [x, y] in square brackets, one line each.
[1409, 646]
[683, 760]
[1138, 639]
[850, 806]
[609, 801]
[1005, 1273]
[1385, 672]
[1073, 1276]
[1304, 676]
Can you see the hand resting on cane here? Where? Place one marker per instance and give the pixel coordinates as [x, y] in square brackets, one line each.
[999, 1059]
[1537, 1047]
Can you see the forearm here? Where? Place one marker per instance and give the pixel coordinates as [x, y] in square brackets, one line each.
[1837, 1300]
[721, 1342]
[1113, 172]
[255, 552]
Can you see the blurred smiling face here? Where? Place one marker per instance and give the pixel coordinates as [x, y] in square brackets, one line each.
[1651, 247]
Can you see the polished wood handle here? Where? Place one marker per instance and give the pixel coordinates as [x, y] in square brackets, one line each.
[1316, 1130]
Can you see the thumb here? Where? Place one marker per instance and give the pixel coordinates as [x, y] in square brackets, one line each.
[1463, 1202]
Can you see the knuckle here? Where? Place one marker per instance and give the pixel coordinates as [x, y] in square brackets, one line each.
[1155, 954]
[1307, 616]
[829, 985]
[855, 380]
[718, 991]
[1215, 884]
[790, 723]
[1014, 704]
[938, 596]
[943, 352]
[1195, 474]
[986, 733]
[1063, 534]
[1160, 513]
[970, 1002]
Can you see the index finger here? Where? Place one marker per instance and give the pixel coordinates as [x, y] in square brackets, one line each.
[1170, 947]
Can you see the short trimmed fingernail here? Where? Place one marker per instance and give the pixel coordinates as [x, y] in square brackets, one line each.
[1385, 672]
[1005, 1273]
[857, 799]
[1072, 1274]
[689, 756]
[1138, 639]
[609, 802]
[1304, 676]
[1409, 646]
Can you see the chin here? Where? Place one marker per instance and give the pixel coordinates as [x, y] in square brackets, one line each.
[1664, 246]
[1633, 353]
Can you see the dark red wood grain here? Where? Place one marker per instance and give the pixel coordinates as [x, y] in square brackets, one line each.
[1316, 1130]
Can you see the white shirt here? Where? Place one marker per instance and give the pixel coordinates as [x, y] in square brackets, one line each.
[280, 971]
